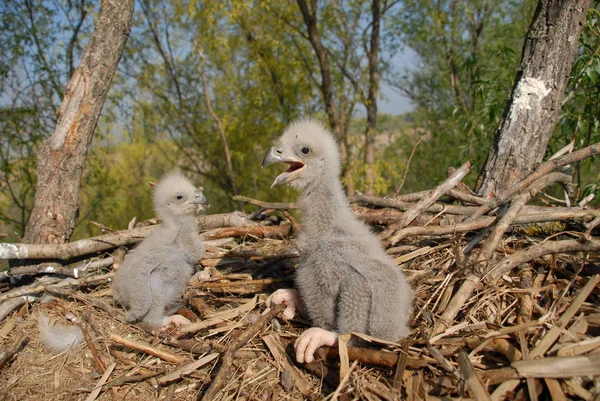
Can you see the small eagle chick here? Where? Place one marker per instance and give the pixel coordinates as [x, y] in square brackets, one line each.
[152, 279]
[345, 279]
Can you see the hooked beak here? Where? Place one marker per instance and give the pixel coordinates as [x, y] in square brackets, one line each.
[201, 201]
[293, 172]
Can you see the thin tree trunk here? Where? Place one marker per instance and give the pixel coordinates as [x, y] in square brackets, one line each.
[61, 158]
[373, 56]
[535, 102]
[309, 15]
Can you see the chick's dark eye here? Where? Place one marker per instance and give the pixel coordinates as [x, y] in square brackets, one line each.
[179, 197]
[305, 150]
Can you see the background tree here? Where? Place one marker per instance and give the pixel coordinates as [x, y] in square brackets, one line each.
[467, 58]
[535, 103]
[32, 77]
[61, 158]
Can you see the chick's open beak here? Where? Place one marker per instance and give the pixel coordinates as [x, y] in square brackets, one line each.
[293, 172]
[201, 201]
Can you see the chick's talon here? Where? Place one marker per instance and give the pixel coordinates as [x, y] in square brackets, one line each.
[177, 320]
[289, 297]
[313, 338]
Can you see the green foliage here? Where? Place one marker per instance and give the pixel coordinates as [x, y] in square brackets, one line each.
[580, 120]
[253, 62]
[469, 52]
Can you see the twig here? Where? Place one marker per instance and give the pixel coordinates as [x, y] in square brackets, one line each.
[412, 153]
[94, 394]
[471, 377]
[556, 330]
[343, 382]
[10, 305]
[105, 242]
[372, 357]
[140, 346]
[9, 352]
[57, 268]
[266, 205]
[219, 317]
[402, 205]
[400, 367]
[541, 171]
[515, 207]
[423, 204]
[539, 250]
[72, 282]
[254, 231]
[227, 362]
[187, 369]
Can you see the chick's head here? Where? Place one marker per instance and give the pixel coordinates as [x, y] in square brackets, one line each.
[176, 196]
[310, 151]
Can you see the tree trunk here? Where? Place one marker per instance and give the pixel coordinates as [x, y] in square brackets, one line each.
[61, 158]
[373, 56]
[309, 16]
[535, 102]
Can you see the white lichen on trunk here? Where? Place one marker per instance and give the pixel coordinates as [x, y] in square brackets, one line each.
[529, 94]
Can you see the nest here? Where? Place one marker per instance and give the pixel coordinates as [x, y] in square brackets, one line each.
[505, 308]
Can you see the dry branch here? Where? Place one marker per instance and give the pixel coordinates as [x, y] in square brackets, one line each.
[404, 205]
[541, 171]
[251, 231]
[187, 369]
[70, 282]
[425, 203]
[109, 241]
[147, 349]
[485, 221]
[471, 378]
[545, 248]
[219, 381]
[9, 353]
[559, 367]
[515, 207]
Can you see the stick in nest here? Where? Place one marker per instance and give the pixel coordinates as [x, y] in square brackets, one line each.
[219, 381]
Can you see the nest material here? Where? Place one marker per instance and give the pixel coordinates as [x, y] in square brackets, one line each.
[527, 324]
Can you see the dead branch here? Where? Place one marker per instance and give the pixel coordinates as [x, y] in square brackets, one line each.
[71, 282]
[109, 241]
[404, 205]
[56, 268]
[252, 231]
[218, 317]
[541, 171]
[418, 208]
[9, 353]
[485, 221]
[227, 362]
[544, 345]
[373, 357]
[10, 305]
[468, 286]
[187, 369]
[515, 207]
[266, 205]
[559, 367]
[147, 349]
[539, 250]
[242, 287]
[471, 378]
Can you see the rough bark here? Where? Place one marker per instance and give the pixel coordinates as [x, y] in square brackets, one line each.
[535, 102]
[373, 56]
[61, 158]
